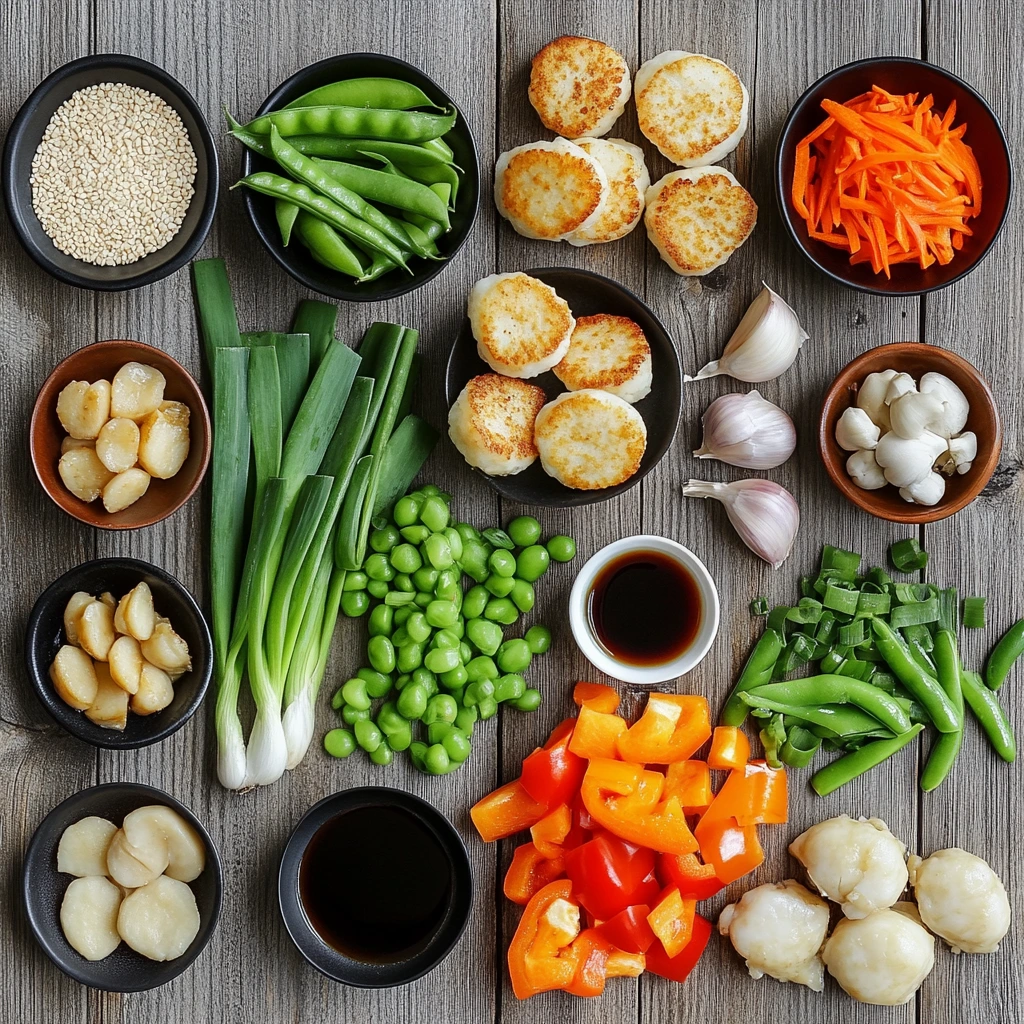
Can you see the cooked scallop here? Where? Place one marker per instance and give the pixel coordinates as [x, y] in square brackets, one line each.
[73, 612]
[698, 218]
[589, 439]
[96, 630]
[548, 190]
[159, 920]
[136, 390]
[155, 690]
[117, 444]
[157, 823]
[89, 915]
[82, 849]
[491, 423]
[165, 649]
[74, 677]
[607, 353]
[692, 107]
[83, 474]
[69, 444]
[579, 86]
[135, 615]
[83, 408]
[628, 181]
[125, 663]
[522, 326]
[109, 709]
[132, 866]
[125, 489]
[164, 442]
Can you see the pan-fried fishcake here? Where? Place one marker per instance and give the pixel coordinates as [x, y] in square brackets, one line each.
[628, 180]
[692, 107]
[579, 86]
[491, 423]
[548, 190]
[589, 440]
[608, 353]
[698, 218]
[522, 326]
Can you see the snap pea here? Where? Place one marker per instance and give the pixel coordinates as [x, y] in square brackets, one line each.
[847, 768]
[436, 174]
[1004, 655]
[357, 122]
[440, 147]
[756, 672]
[990, 715]
[383, 93]
[839, 719]
[946, 748]
[381, 264]
[285, 214]
[326, 244]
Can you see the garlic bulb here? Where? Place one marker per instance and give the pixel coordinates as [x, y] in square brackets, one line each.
[871, 397]
[908, 460]
[855, 431]
[955, 401]
[747, 431]
[926, 491]
[764, 344]
[915, 412]
[865, 471]
[765, 515]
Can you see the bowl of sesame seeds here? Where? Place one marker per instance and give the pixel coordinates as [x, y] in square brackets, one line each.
[110, 173]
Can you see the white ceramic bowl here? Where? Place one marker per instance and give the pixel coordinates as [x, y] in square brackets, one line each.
[595, 651]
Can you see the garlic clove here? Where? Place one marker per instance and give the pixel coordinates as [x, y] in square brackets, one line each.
[908, 460]
[957, 407]
[763, 346]
[914, 412]
[964, 467]
[900, 385]
[865, 471]
[747, 431]
[855, 431]
[962, 451]
[871, 397]
[927, 491]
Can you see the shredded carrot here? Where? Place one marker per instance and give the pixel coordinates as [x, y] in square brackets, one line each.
[887, 179]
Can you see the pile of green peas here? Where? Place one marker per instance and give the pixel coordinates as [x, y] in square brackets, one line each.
[438, 655]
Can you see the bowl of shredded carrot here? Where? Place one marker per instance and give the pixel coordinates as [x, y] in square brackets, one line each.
[893, 176]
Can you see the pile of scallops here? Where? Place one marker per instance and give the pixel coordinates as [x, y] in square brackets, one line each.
[583, 188]
[882, 948]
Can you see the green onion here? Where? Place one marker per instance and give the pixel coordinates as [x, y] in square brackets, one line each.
[347, 540]
[974, 612]
[841, 599]
[293, 364]
[908, 555]
[759, 606]
[406, 451]
[218, 321]
[914, 614]
[317, 320]
[265, 415]
[846, 562]
[854, 634]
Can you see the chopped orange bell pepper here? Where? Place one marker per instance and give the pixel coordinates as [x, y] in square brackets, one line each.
[672, 728]
[529, 872]
[626, 799]
[622, 964]
[694, 880]
[671, 920]
[541, 955]
[597, 697]
[596, 733]
[730, 748]
[691, 782]
[550, 832]
[592, 952]
[504, 812]
[732, 850]
[755, 794]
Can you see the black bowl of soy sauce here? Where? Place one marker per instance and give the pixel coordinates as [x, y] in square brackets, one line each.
[375, 887]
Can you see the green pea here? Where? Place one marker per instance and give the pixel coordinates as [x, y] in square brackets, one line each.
[523, 595]
[416, 751]
[377, 589]
[415, 534]
[465, 652]
[466, 719]
[352, 715]
[338, 700]
[403, 583]
[562, 548]
[474, 560]
[481, 667]
[436, 759]
[355, 603]
[384, 539]
[401, 739]
[532, 563]
[439, 661]
[389, 719]
[339, 743]
[407, 510]
[475, 692]
[381, 653]
[438, 551]
[538, 639]
[440, 709]
[441, 614]
[401, 614]
[381, 621]
[445, 639]
[455, 678]
[501, 609]
[401, 637]
[406, 559]
[457, 694]
[412, 701]
[424, 599]
[402, 681]
[417, 627]
[456, 744]
[382, 754]
[499, 586]
[410, 657]
[467, 532]
[425, 578]
[378, 684]
[530, 701]
[355, 581]
[377, 567]
[502, 562]
[509, 687]
[524, 531]
[398, 598]
[449, 586]
[428, 489]
[458, 627]
[434, 514]
[475, 601]
[437, 731]
[425, 678]
[485, 635]
[368, 736]
[454, 539]
[487, 708]
[355, 695]
[514, 656]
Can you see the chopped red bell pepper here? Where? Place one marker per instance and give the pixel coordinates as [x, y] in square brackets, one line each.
[597, 697]
[672, 728]
[529, 872]
[609, 875]
[596, 734]
[552, 774]
[550, 833]
[730, 748]
[671, 920]
[678, 968]
[691, 782]
[628, 930]
[695, 881]
[509, 809]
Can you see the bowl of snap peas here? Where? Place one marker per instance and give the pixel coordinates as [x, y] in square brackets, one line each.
[360, 176]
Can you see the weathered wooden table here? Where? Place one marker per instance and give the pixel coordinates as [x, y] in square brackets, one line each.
[234, 54]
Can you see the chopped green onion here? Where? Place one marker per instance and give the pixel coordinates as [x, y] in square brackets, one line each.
[873, 604]
[854, 634]
[908, 555]
[799, 748]
[913, 593]
[914, 614]
[317, 320]
[293, 366]
[841, 599]
[845, 562]
[759, 606]
[974, 612]
[499, 538]
[921, 636]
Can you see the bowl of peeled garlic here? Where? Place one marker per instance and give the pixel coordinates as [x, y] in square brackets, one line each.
[910, 432]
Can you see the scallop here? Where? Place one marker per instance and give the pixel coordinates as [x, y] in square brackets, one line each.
[160, 919]
[157, 823]
[82, 849]
[125, 489]
[96, 630]
[109, 709]
[166, 649]
[89, 916]
[164, 440]
[83, 408]
[83, 474]
[69, 444]
[155, 690]
[135, 615]
[117, 445]
[74, 677]
[132, 866]
[73, 612]
[125, 661]
[136, 391]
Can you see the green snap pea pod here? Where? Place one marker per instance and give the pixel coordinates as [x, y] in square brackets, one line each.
[286, 214]
[439, 174]
[383, 93]
[356, 122]
[756, 672]
[832, 689]
[848, 767]
[303, 168]
[442, 149]
[381, 264]
[838, 719]
[923, 687]
[326, 245]
[990, 715]
[381, 187]
[1003, 655]
[800, 747]
[277, 187]
[946, 748]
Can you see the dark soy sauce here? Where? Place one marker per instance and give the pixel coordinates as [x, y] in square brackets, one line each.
[375, 884]
[645, 608]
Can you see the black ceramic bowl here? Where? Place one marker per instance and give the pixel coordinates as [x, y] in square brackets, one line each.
[24, 137]
[587, 294]
[45, 635]
[984, 135]
[329, 960]
[295, 259]
[43, 889]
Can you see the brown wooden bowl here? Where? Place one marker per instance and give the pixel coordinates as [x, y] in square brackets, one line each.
[95, 362]
[916, 359]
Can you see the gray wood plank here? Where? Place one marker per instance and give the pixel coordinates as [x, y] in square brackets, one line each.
[976, 550]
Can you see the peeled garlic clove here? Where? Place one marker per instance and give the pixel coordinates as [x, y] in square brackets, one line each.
[902, 384]
[82, 849]
[914, 413]
[764, 344]
[88, 916]
[149, 826]
[855, 431]
[964, 468]
[871, 397]
[160, 920]
[747, 431]
[864, 471]
[957, 407]
[962, 451]
[905, 460]
[928, 491]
